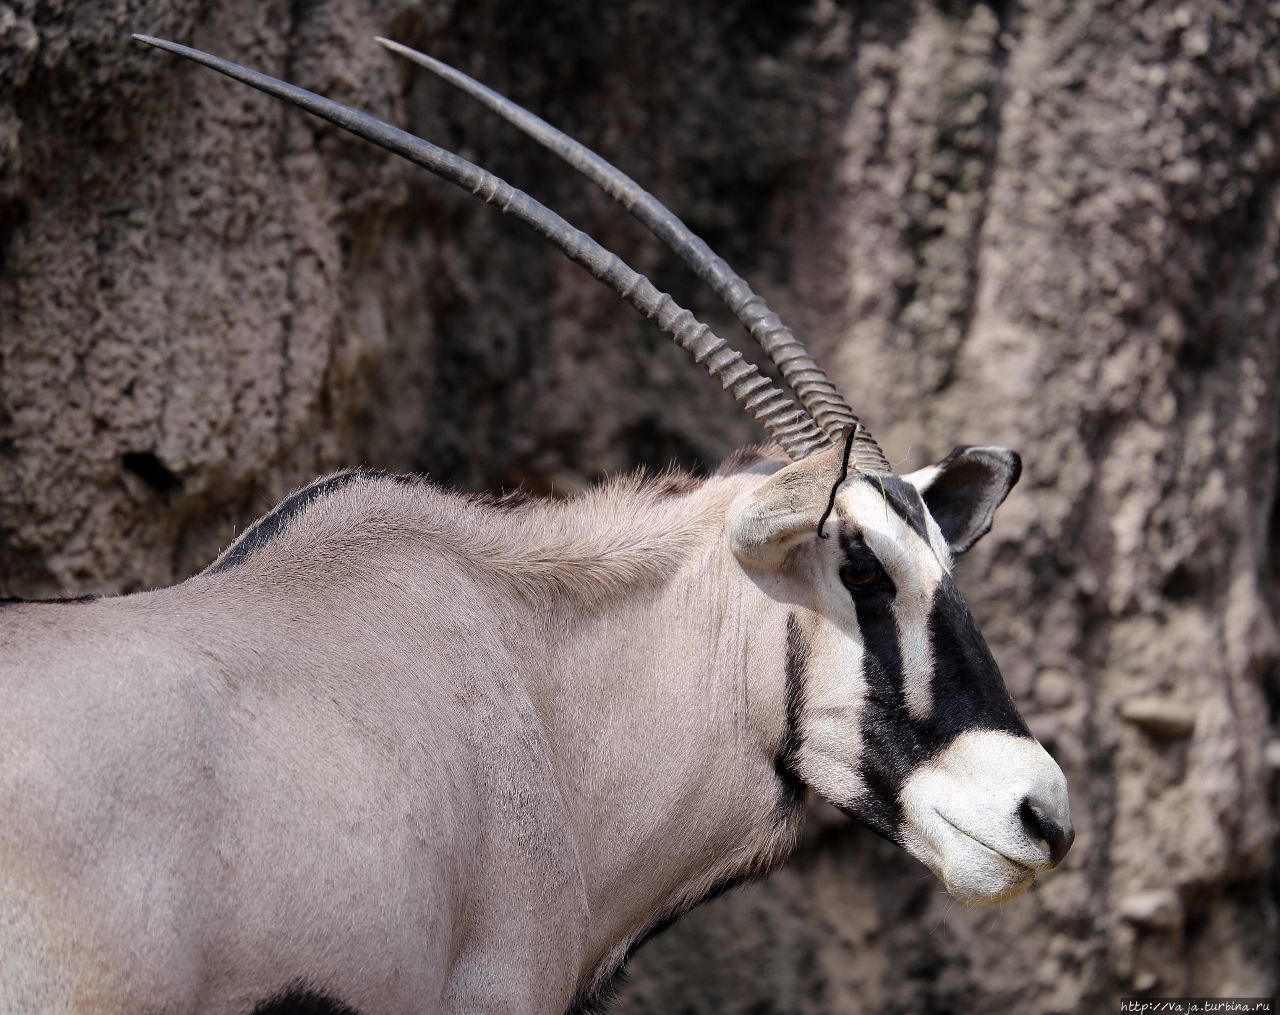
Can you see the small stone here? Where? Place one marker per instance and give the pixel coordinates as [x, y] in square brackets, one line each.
[1159, 716]
[1272, 755]
[1195, 43]
[1160, 909]
[1144, 981]
[1054, 688]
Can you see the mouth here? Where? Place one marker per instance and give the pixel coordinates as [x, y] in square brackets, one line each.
[1016, 864]
[1018, 877]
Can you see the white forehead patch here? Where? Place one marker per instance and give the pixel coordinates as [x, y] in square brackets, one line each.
[916, 569]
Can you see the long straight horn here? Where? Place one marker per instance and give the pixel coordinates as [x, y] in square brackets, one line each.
[812, 386]
[784, 421]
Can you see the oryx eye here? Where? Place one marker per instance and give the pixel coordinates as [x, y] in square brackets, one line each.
[861, 577]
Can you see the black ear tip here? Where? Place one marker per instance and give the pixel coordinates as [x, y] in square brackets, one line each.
[1010, 459]
[1015, 467]
[976, 453]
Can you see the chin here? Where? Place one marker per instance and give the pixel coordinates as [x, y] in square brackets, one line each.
[980, 888]
[970, 872]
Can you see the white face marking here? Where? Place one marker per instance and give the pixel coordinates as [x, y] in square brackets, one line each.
[832, 743]
[939, 542]
[962, 814]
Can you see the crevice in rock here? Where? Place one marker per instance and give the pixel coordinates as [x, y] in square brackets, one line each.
[1004, 39]
[148, 467]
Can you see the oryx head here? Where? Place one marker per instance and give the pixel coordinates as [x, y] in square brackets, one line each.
[904, 720]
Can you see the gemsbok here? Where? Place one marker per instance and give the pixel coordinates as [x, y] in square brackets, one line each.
[403, 750]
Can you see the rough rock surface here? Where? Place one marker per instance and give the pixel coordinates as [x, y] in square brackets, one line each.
[1052, 225]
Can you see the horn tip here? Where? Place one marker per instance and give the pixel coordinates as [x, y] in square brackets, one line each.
[417, 56]
[167, 45]
[399, 47]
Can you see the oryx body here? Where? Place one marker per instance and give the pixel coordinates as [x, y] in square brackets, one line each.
[414, 752]
[427, 773]
[399, 750]
[391, 754]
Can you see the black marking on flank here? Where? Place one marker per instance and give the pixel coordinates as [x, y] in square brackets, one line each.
[299, 999]
[792, 787]
[274, 522]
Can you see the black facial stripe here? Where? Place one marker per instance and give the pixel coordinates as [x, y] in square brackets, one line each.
[887, 750]
[796, 664]
[968, 694]
[855, 551]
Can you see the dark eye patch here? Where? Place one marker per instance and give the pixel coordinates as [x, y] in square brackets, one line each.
[855, 577]
[861, 572]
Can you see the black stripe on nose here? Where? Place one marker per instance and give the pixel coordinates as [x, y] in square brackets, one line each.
[1041, 824]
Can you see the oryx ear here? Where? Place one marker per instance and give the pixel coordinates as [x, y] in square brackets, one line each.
[963, 491]
[767, 522]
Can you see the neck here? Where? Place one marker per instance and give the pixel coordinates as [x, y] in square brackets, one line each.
[667, 708]
[656, 668]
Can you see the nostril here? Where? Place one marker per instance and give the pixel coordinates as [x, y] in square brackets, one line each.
[1041, 824]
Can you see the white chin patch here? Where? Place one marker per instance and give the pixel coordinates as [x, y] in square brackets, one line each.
[962, 814]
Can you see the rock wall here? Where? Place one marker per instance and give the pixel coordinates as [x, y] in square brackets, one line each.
[1051, 225]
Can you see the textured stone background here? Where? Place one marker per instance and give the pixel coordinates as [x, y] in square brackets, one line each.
[1054, 225]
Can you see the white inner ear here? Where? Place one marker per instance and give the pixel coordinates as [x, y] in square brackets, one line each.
[917, 570]
[922, 479]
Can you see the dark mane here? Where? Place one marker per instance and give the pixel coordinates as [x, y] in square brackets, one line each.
[270, 525]
[57, 601]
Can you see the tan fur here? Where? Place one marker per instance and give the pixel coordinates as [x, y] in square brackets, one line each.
[630, 530]
[423, 753]
[417, 752]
